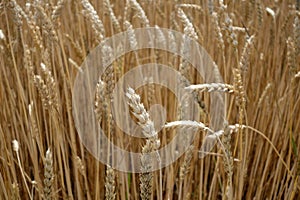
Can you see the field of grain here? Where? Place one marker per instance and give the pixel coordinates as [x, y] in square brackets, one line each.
[254, 44]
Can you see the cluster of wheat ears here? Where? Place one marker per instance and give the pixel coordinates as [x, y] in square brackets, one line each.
[254, 44]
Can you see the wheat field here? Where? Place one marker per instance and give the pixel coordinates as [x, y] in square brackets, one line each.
[254, 44]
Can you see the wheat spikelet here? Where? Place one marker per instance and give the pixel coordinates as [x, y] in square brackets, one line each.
[184, 168]
[17, 13]
[151, 90]
[139, 111]
[51, 85]
[112, 16]
[263, 95]
[218, 31]
[188, 26]
[100, 102]
[47, 25]
[228, 161]
[238, 87]
[291, 57]
[248, 10]
[212, 87]
[35, 29]
[152, 143]
[110, 184]
[108, 76]
[230, 34]
[131, 34]
[48, 175]
[79, 165]
[188, 123]
[259, 11]
[140, 12]
[160, 36]
[28, 62]
[283, 28]
[222, 6]
[57, 10]
[210, 6]
[244, 61]
[296, 30]
[191, 6]
[92, 15]
[43, 91]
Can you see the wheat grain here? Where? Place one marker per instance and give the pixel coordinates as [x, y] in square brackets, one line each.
[57, 10]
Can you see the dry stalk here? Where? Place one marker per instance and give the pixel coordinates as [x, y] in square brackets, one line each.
[16, 147]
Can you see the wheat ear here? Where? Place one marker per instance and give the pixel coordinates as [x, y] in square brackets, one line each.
[110, 184]
[48, 175]
[152, 143]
